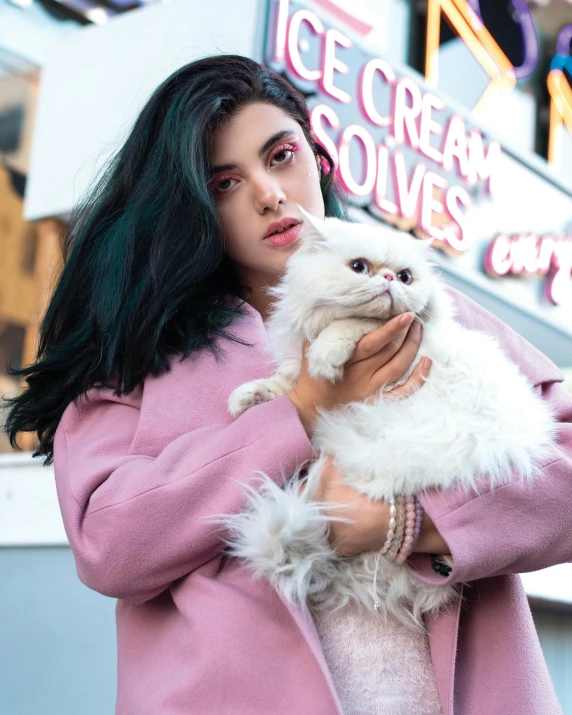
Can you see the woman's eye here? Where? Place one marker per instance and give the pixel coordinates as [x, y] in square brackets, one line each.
[284, 155]
[359, 266]
[224, 185]
[405, 276]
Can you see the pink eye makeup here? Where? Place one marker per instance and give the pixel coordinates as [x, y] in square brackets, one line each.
[289, 150]
[285, 153]
[221, 184]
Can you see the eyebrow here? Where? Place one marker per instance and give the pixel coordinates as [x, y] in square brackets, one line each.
[263, 149]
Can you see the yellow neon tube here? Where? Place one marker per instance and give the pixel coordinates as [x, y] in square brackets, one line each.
[477, 38]
[560, 111]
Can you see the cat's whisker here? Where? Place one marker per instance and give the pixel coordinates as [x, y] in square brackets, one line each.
[424, 317]
[343, 300]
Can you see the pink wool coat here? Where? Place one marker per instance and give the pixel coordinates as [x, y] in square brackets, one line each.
[138, 478]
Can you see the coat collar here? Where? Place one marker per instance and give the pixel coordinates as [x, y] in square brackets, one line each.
[305, 623]
[443, 631]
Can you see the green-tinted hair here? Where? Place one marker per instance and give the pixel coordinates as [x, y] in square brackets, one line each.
[145, 274]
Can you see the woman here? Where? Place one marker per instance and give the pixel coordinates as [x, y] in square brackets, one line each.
[146, 336]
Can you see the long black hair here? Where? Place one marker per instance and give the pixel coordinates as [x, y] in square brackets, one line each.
[145, 275]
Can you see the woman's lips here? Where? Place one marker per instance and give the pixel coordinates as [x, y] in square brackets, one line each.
[286, 237]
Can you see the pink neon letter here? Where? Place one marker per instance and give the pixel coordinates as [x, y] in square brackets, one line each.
[354, 130]
[545, 253]
[428, 126]
[455, 146]
[558, 287]
[523, 253]
[366, 93]
[430, 204]
[497, 258]
[319, 111]
[404, 114]
[293, 33]
[457, 195]
[407, 197]
[281, 27]
[332, 64]
[483, 165]
[381, 182]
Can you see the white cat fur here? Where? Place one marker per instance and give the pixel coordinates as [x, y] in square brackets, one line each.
[475, 422]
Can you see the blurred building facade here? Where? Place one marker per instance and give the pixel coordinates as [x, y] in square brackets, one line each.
[450, 118]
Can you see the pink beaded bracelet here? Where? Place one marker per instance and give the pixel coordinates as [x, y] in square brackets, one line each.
[398, 529]
[405, 516]
[413, 519]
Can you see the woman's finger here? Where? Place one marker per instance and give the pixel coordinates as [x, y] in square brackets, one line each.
[391, 335]
[400, 363]
[414, 381]
[383, 356]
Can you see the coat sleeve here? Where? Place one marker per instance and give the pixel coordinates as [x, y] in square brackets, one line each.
[515, 527]
[136, 523]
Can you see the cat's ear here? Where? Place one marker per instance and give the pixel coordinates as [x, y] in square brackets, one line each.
[314, 231]
[425, 243]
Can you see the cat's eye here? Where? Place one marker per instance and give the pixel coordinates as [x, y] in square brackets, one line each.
[360, 265]
[405, 276]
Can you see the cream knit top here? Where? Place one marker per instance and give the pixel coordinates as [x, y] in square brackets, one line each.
[378, 667]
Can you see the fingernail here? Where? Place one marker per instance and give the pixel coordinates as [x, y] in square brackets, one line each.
[426, 363]
[406, 319]
[416, 326]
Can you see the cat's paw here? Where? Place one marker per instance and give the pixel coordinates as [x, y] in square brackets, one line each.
[248, 395]
[327, 361]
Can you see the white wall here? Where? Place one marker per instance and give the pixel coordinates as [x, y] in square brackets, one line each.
[58, 649]
[95, 82]
[29, 33]
[29, 510]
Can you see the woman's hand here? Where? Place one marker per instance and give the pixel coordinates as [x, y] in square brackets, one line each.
[369, 519]
[380, 358]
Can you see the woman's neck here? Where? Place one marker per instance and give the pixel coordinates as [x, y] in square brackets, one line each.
[261, 303]
[259, 298]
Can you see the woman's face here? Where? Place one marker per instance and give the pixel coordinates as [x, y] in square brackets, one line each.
[263, 168]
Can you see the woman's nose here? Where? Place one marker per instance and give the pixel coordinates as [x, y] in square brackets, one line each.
[268, 194]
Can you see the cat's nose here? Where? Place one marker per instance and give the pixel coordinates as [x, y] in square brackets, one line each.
[388, 276]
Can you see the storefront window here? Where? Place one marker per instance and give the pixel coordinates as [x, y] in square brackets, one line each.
[18, 239]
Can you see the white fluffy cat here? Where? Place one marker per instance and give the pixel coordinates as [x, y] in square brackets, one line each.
[475, 420]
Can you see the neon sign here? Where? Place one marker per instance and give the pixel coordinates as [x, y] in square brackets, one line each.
[523, 16]
[476, 37]
[560, 94]
[396, 145]
[464, 16]
[530, 253]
